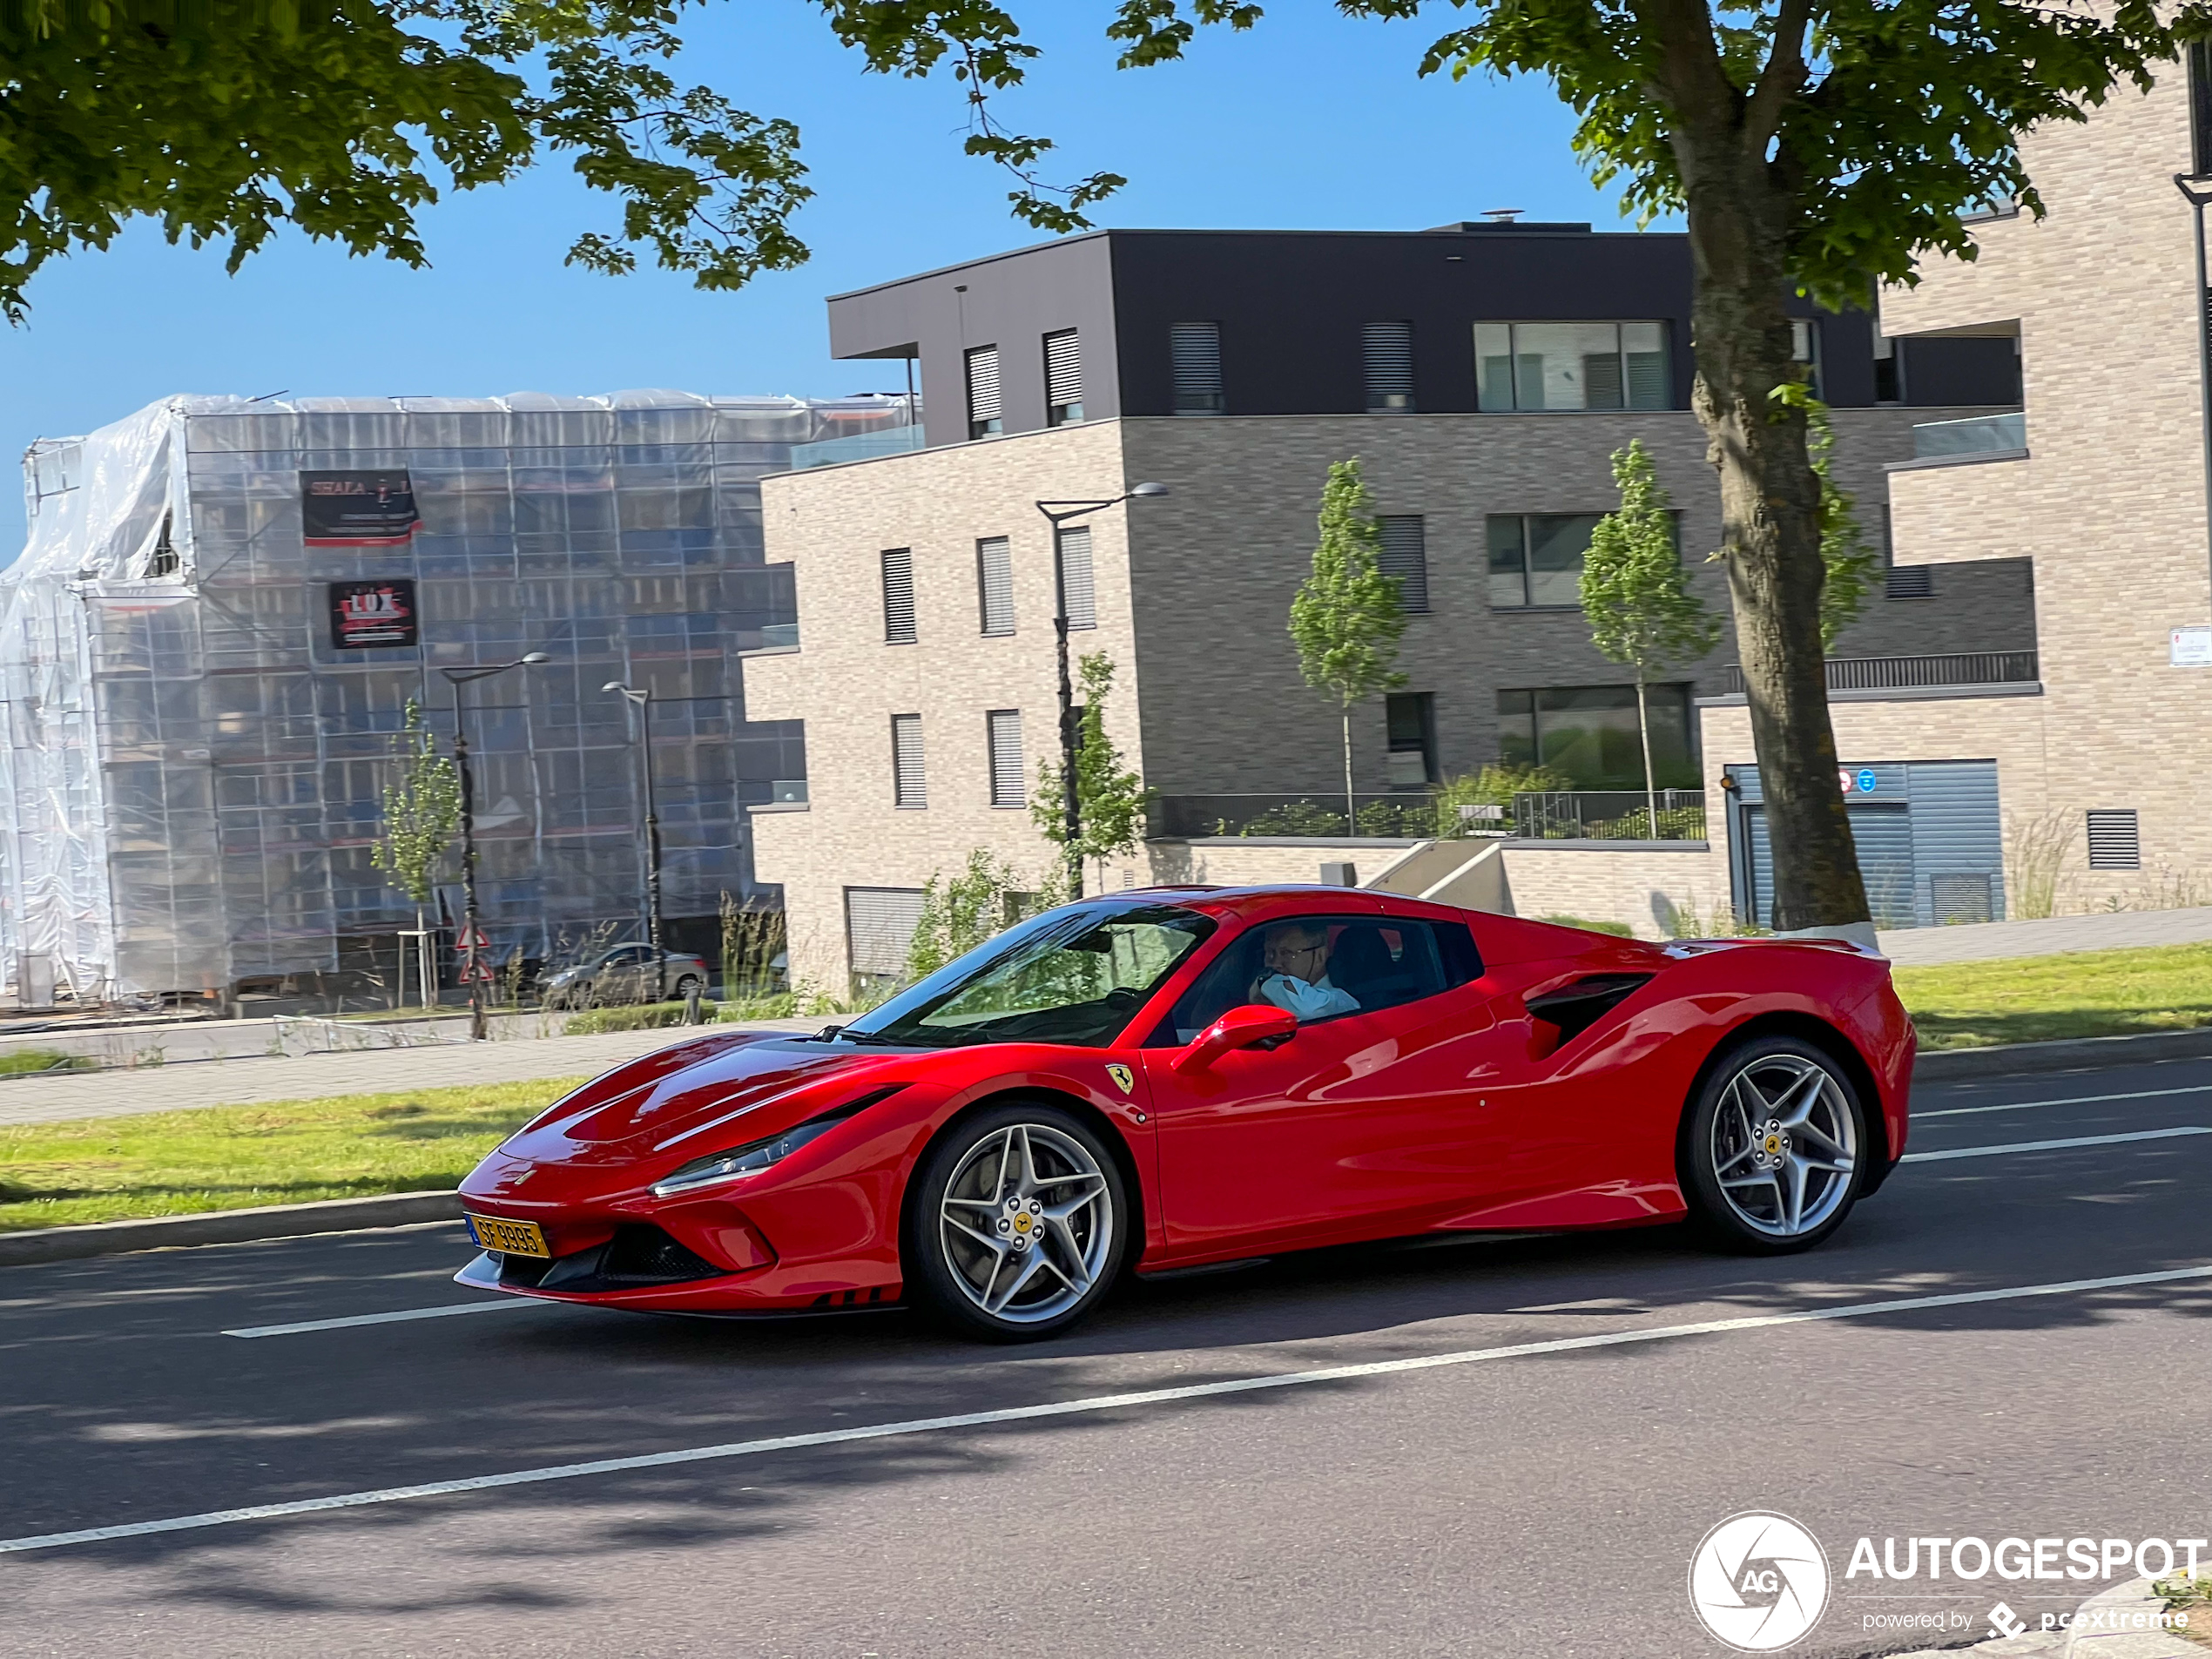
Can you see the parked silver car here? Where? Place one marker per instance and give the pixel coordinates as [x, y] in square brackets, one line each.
[624, 974]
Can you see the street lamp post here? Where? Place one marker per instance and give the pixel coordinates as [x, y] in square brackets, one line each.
[470, 948]
[2197, 192]
[1058, 514]
[643, 701]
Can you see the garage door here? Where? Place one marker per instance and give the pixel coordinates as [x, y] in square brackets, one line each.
[1884, 837]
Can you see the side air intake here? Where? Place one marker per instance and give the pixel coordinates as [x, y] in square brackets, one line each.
[1576, 1006]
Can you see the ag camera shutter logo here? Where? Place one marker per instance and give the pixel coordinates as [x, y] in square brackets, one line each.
[1759, 1581]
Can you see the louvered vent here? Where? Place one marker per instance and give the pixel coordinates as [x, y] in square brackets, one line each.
[1909, 582]
[2114, 843]
[899, 595]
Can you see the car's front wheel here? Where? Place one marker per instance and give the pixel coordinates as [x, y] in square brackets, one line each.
[1018, 1223]
[1774, 1146]
[684, 987]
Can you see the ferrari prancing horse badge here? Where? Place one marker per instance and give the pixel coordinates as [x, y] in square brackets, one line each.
[1123, 1077]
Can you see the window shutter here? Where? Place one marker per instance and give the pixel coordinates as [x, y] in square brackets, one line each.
[1909, 582]
[1008, 784]
[1405, 554]
[879, 924]
[897, 596]
[1389, 347]
[1063, 377]
[2113, 841]
[985, 414]
[995, 582]
[1194, 356]
[1076, 578]
[909, 778]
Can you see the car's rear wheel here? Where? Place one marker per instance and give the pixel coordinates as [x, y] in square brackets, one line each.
[686, 985]
[1773, 1151]
[1018, 1223]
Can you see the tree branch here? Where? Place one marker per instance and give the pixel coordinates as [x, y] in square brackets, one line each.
[1782, 79]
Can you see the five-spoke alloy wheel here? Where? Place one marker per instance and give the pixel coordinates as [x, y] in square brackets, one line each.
[1773, 1146]
[1016, 1226]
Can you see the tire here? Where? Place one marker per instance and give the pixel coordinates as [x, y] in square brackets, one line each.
[1774, 1150]
[556, 1001]
[1011, 1173]
[684, 986]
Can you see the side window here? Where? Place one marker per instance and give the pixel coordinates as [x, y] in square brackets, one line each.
[1325, 968]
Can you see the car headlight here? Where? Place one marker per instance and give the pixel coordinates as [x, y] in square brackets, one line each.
[744, 1160]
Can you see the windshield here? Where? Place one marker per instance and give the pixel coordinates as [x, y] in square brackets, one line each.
[1074, 975]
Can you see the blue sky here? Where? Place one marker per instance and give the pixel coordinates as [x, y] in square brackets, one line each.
[1310, 122]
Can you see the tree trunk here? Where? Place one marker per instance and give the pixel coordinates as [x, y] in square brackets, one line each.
[1769, 515]
[1350, 805]
[1650, 795]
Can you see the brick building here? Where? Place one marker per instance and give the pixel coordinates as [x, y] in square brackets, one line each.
[1483, 374]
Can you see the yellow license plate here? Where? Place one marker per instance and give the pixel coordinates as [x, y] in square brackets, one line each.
[508, 1238]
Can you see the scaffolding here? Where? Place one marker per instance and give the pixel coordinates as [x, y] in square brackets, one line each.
[199, 732]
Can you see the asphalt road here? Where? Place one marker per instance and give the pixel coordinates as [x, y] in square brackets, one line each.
[1540, 1504]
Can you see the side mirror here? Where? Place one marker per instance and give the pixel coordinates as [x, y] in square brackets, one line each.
[1243, 1027]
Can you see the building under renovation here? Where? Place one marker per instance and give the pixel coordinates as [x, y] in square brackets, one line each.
[225, 608]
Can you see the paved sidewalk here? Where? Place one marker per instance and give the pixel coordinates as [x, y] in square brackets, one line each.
[48, 1099]
[1988, 941]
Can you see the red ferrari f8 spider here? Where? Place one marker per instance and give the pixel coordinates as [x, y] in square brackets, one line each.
[1170, 1078]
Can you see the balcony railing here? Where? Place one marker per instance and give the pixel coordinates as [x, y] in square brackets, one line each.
[1404, 815]
[862, 446]
[779, 636]
[1905, 673]
[1979, 434]
[1609, 815]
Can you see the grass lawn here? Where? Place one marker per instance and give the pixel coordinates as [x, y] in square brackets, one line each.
[2080, 994]
[232, 1157]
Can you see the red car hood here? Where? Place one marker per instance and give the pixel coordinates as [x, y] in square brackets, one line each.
[676, 1104]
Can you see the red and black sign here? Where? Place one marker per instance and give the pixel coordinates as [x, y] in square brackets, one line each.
[357, 509]
[372, 614]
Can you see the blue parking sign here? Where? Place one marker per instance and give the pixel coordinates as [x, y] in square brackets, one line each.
[1866, 780]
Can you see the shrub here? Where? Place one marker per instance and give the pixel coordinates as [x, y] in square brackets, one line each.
[785, 1006]
[1492, 787]
[1618, 929]
[43, 1060]
[636, 1016]
[1300, 818]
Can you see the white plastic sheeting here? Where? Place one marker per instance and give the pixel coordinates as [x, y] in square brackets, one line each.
[194, 769]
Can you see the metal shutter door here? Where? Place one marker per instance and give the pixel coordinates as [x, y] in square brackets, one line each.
[1759, 877]
[879, 925]
[1405, 554]
[1004, 727]
[1077, 583]
[899, 596]
[1389, 350]
[909, 775]
[994, 582]
[984, 406]
[1883, 838]
[1194, 359]
[1063, 374]
[1958, 838]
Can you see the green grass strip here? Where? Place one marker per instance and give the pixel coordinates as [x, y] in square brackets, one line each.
[2077, 994]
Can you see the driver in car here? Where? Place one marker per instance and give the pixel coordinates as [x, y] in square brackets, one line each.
[1297, 976]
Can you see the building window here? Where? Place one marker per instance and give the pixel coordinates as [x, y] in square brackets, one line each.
[1405, 554]
[909, 779]
[1889, 371]
[1588, 734]
[1078, 586]
[1410, 718]
[986, 409]
[1804, 348]
[1063, 377]
[1536, 558]
[1388, 349]
[2114, 843]
[1572, 365]
[1194, 361]
[899, 595]
[879, 924]
[1003, 729]
[2201, 107]
[994, 583]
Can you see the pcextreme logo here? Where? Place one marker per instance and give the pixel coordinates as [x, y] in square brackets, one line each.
[1759, 1581]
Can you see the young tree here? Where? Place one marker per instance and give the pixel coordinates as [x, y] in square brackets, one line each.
[1345, 618]
[1636, 592]
[1111, 798]
[421, 811]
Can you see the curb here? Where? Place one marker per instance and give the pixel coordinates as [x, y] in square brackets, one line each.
[226, 1226]
[1945, 1065]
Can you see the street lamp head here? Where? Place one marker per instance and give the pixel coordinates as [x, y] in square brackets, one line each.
[1147, 492]
[534, 658]
[614, 686]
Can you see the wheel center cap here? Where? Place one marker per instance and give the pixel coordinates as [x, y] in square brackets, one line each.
[1773, 1144]
[1021, 1223]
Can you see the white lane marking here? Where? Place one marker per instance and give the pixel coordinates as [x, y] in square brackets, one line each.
[2076, 1099]
[500, 1306]
[2053, 1146]
[1093, 1403]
